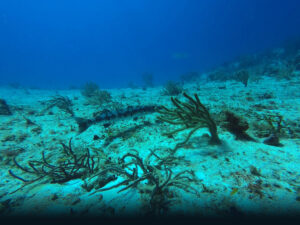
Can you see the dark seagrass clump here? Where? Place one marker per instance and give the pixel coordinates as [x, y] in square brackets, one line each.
[148, 79]
[191, 115]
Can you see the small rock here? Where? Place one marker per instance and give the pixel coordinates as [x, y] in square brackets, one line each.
[4, 108]
[54, 197]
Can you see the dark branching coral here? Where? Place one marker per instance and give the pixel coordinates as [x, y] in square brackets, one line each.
[242, 76]
[151, 176]
[279, 69]
[171, 88]
[237, 126]
[219, 75]
[73, 166]
[89, 89]
[61, 102]
[4, 108]
[189, 77]
[296, 61]
[190, 115]
[148, 79]
[132, 85]
[159, 178]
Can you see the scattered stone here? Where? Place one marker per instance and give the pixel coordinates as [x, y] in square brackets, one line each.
[273, 140]
[254, 171]
[4, 108]
[54, 197]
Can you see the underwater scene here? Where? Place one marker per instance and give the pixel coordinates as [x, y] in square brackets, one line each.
[159, 109]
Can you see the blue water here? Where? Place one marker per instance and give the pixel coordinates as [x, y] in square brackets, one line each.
[58, 44]
[223, 144]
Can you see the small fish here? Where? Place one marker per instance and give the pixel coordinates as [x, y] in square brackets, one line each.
[106, 125]
[234, 191]
[180, 55]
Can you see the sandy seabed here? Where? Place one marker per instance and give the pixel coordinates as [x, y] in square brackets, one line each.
[234, 178]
